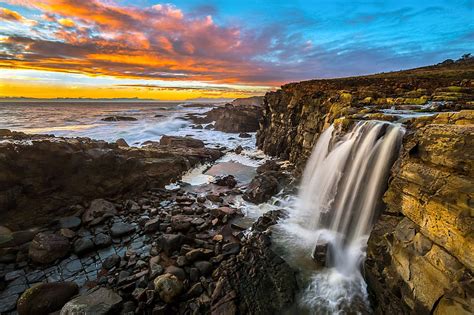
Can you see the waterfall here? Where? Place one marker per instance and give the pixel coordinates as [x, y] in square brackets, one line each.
[339, 199]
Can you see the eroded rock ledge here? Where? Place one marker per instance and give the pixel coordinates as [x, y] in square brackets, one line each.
[45, 174]
[421, 252]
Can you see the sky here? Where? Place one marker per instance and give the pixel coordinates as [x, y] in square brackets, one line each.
[188, 49]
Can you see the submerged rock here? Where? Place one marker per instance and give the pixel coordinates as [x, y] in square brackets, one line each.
[187, 142]
[119, 118]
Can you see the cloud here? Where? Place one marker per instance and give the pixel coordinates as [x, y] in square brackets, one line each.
[9, 15]
[67, 23]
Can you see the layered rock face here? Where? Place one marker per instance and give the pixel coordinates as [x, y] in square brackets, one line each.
[295, 115]
[421, 253]
[43, 174]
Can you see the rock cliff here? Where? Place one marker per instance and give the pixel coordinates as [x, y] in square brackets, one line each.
[421, 253]
[45, 174]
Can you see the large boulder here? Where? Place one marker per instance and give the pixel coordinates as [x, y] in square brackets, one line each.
[46, 248]
[99, 301]
[98, 211]
[46, 298]
[261, 188]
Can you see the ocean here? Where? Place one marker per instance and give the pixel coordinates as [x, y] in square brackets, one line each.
[84, 119]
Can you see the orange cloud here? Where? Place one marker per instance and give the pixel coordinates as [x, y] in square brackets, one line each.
[67, 22]
[10, 15]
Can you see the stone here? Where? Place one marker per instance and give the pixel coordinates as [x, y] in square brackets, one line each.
[152, 225]
[181, 142]
[99, 210]
[422, 244]
[46, 248]
[181, 222]
[46, 298]
[118, 118]
[199, 254]
[228, 181]
[168, 287]
[122, 143]
[170, 242]
[111, 262]
[405, 230]
[245, 135]
[98, 301]
[69, 222]
[83, 245]
[230, 249]
[67, 233]
[238, 149]
[214, 198]
[320, 253]
[204, 267]
[195, 290]
[102, 240]
[261, 188]
[269, 165]
[120, 228]
[8, 303]
[178, 272]
[223, 211]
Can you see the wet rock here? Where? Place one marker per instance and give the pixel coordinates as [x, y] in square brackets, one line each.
[181, 222]
[120, 228]
[69, 223]
[238, 149]
[168, 287]
[230, 249]
[170, 242]
[261, 188]
[223, 211]
[46, 298]
[233, 118]
[111, 262]
[83, 245]
[132, 206]
[99, 210]
[195, 290]
[176, 271]
[320, 253]
[102, 240]
[187, 142]
[245, 135]
[46, 248]
[214, 198]
[99, 301]
[152, 225]
[270, 165]
[119, 118]
[199, 254]
[228, 181]
[122, 143]
[67, 233]
[204, 267]
[268, 219]
[8, 303]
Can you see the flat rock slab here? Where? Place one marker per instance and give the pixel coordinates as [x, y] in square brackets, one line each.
[99, 301]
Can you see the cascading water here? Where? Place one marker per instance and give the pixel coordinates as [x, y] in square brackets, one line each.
[339, 198]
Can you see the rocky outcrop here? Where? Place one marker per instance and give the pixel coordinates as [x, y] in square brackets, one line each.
[44, 175]
[232, 118]
[253, 100]
[420, 253]
[294, 116]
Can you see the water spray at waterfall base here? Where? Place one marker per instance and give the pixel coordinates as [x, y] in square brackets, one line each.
[340, 196]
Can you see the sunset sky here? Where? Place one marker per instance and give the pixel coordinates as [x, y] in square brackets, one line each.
[216, 49]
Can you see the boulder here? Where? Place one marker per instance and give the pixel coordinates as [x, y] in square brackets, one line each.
[269, 165]
[69, 222]
[168, 287]
[111, 261]
[98, 211]
[175, 141]
[120, 228]
[83, 245]
[199, 254]
[46, 298]
[46, 248]
[98, 301]
[102, 240]
[170, 242]
[245, 135]
[261, 188]
[228, 181]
